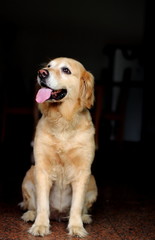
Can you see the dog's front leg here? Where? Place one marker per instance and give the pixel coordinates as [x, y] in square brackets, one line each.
[41, 225]
[75, 225]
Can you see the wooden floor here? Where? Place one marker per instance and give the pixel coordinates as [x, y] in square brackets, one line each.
[115, 220]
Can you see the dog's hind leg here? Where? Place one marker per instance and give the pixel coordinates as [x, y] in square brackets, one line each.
[29, 201]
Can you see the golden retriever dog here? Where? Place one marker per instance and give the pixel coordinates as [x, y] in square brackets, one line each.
[60, 185]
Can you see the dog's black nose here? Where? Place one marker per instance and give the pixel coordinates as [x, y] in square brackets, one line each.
[43, 73]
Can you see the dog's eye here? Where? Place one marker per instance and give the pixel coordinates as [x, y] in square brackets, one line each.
[66, 70]
[48, 65]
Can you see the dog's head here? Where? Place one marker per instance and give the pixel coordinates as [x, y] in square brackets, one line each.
[65, 79]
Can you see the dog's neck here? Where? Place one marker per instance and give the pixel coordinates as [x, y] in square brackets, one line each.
[63, 110]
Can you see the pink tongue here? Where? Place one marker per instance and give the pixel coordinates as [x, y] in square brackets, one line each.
[43, 94]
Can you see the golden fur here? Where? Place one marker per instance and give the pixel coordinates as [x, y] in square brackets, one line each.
[60, 184]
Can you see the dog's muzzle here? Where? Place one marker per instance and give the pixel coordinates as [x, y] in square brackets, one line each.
[47, 93]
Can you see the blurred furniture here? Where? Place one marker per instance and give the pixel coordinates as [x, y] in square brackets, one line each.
[122, 73]
[22, 109]
[12, 111]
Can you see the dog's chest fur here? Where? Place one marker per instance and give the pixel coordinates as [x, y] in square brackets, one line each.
[66, 142]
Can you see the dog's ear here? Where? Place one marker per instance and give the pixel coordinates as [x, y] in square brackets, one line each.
[87, 89]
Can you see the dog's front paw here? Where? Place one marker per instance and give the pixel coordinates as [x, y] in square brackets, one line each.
[78, 231]
[39, 230]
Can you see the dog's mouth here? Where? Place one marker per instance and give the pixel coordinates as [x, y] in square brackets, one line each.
[46, 93]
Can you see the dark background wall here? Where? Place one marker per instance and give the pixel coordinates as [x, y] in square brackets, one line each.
[34, 31]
